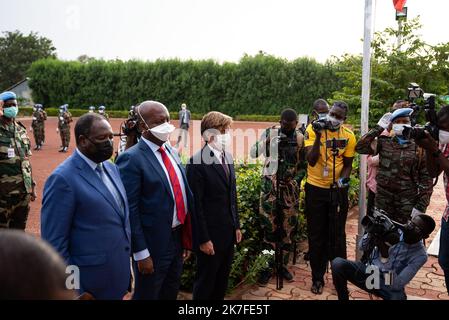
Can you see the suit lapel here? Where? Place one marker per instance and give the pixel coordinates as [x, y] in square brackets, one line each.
[178, 162]
[94, 180]
[121, 190]
[217, 165]
[148, 153]
[189, 194]
[113, 179]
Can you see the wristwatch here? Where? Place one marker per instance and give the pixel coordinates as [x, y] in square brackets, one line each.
[437, 153]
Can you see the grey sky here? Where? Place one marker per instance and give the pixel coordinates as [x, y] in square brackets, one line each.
[219, 29]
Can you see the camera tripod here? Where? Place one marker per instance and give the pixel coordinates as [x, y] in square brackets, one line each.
[279, 218]
[334, 204]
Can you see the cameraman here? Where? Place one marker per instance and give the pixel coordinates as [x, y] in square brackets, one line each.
[404, 260]
[130, 132]
[281, 141]
[404, 186]
[437, 161]
[320, 219]
[320, 109]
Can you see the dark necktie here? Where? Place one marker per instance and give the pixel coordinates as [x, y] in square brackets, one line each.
[224, 164]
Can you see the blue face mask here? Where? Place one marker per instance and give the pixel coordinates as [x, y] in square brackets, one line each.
[401, 140]
[10, 112]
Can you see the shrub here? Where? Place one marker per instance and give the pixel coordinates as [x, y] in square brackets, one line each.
[260, 84]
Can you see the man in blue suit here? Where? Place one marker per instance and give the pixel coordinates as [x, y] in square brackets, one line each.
[85, 212]
[160, 204]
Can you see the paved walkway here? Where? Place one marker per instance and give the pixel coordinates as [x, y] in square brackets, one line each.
[427, 284]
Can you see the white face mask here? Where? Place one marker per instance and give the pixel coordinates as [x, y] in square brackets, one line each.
[443, 137]
[334, 121]
[162, 131]
[398, 128]
[222, 141]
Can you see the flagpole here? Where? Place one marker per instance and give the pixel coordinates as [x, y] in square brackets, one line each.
[366, 82]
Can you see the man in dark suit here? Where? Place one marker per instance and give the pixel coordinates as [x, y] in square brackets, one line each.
[211, 175]
[184, 124]
[85, 212]
[161, 206]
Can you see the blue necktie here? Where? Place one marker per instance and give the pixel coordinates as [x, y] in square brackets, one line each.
[109, 185]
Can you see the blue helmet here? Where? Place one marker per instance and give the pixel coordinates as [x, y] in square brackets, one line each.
[8, 95]
[101, 108]
[400, 113]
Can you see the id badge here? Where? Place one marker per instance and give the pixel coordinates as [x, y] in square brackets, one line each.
[34, 118]
[326, 172]
[11, 153]
[61, 118]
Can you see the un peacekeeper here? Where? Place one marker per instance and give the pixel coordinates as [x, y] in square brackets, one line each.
[16, 182]
[37, 125]
[102, 111]
[293, 171]
[404, 186]
[64, 120]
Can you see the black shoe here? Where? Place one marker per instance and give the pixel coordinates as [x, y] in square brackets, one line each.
[36, 148]
[264, 278]
[61, 150]
[65, 149]
[317, 287]
[287, 275]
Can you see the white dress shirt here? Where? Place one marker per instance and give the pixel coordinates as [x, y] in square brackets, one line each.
[155, 149]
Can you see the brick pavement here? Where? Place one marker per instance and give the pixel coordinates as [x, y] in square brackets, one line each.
[427, 284]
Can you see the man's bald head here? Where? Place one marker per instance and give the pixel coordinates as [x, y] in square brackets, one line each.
[151, 114]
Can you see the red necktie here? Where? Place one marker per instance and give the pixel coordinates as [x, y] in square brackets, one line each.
[180, 207]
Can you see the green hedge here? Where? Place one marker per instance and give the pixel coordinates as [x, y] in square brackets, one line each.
[52, 112]
[260, 84]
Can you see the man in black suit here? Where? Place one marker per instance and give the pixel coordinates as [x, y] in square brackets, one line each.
[211, 176]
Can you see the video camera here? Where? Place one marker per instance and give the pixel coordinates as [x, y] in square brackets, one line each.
[414, 92]
[130, 124]
[381, 227]
[384, 233]
[321, 124]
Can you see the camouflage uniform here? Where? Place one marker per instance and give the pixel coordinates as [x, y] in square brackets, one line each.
[16, 183]
[39, 116]
[403, 182]
[294, 169]
[64, 128]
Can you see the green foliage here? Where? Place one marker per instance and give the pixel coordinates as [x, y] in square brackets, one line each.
[52, 112]
[248, 193]
[260, 84]
[257, 117]
[18, 52]
[250, 258]
[393, 68]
